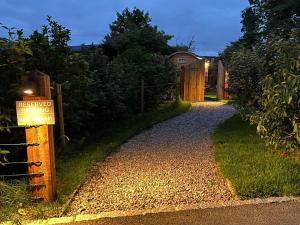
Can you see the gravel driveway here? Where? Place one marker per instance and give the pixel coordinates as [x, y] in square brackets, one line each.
[169, 165]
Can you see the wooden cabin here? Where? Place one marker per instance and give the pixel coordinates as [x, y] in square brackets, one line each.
[191, 70]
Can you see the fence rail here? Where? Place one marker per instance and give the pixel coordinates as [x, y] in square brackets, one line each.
[29, 163]
[21, 144]
[37, 163]
[22, 175]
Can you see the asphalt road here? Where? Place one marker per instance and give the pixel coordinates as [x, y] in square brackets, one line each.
[287, 213]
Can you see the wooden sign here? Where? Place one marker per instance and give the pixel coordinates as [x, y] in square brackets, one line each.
[37, 112]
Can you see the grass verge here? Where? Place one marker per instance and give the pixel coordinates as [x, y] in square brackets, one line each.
[73, 168]
[254, 169]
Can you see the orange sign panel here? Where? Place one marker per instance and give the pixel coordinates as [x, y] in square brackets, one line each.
[39, 112]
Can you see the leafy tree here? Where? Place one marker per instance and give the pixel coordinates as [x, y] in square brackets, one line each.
[278, 115]
[250, 22]
[244, 78]
[264, 70]
[187, 47]
[52, 55]
[50, 50]
[133, 29]
[13, 53]
[156, 70]
[137, 51]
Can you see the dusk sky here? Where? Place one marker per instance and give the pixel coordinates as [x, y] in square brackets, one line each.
[213, 24]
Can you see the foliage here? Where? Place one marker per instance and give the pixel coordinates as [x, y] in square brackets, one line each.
[157, 72]
[137, 51]
[13, 52]
[52, 56]
[186, 47]
[254, 169]
[132, 29]
[244, 76]
[50, 50]
[264, 70]
[278, 118]
[250, 21]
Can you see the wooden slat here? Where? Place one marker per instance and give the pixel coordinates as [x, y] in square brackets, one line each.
[198, 87]
[220, 80]
[202, 80]
[192, 82]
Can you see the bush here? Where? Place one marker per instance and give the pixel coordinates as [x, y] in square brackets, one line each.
[278, 117]
[244, 70]
[264, 71]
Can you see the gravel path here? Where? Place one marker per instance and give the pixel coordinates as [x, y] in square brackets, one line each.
[169, 165]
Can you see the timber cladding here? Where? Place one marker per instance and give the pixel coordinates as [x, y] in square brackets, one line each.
[191, 70]
[222, 82]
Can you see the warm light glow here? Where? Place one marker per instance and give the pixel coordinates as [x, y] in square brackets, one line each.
[28, 91]
[207, 64]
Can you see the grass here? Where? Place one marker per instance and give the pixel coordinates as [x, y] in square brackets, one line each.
[210, 96]
[254, 169]
[73, 168]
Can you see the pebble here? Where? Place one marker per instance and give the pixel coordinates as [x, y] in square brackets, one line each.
[170, 164]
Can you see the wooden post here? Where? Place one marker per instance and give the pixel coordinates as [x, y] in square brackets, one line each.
[176, 87]
[142, 95]
[44, 185]
[61, 115]
[220, 81]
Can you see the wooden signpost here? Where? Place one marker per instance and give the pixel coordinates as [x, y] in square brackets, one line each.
[36, 112]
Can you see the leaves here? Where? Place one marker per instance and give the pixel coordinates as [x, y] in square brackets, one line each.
[264, 71]
[4, 152]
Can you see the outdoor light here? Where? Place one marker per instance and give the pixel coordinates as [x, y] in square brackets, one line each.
[29, 87]
[28, 91]
[207, 64]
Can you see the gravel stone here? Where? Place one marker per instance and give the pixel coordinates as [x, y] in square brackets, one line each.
[170, 164]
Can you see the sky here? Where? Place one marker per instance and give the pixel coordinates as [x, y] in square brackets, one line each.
[212, 23]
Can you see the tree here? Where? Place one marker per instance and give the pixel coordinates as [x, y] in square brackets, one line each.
[264, 70]
[137, 50]
[278, 114]
[50, 49]
[250, 29]
[133, 29]
[13, 53]
[52, 55]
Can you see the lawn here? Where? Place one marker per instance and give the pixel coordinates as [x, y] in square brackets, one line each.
[74, 167]
[210, 95]
[254, 169]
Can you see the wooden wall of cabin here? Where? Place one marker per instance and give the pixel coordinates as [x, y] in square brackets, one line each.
[188, 59]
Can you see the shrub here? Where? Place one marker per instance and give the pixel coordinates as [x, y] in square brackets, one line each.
[278, 115]
[244, 79]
